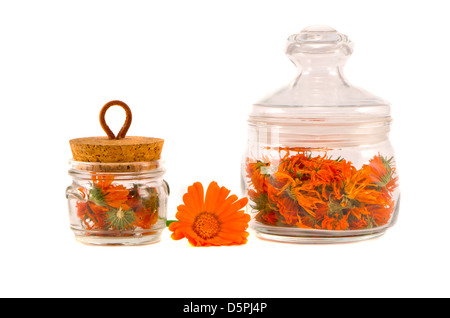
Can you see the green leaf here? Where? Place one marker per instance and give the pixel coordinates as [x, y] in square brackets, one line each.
[96, 195]
[168, 222]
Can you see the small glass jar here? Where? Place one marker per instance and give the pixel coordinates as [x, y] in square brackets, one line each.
[319, 166]
[117, 203]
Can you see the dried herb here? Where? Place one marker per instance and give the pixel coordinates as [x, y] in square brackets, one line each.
[319, 192]
[110, 206]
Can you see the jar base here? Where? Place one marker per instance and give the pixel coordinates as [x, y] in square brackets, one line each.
[305, 236]
[103, 240]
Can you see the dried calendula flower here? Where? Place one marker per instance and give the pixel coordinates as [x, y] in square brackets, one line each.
[107, 205]
[319, 192]
[214, 219]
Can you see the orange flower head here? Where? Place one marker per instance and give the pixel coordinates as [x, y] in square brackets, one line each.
[102, 181]
[214, 219]
[381, 172]
[117, 196]
[105, 192]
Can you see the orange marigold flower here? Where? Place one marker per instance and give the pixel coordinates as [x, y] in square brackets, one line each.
[90, 212]
[214, 219]
[382, 173]
[258, 178]
[335, 223]
[102, 181]
[105, 192]
[117, 196]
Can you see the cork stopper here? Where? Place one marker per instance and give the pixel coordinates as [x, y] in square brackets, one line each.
[116, 149]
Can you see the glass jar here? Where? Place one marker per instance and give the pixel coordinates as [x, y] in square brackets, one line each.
[319, 166]
[117, 203]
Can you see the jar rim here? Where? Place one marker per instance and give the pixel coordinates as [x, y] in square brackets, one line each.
[123, 170]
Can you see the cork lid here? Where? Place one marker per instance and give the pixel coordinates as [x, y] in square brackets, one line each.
[116, 149]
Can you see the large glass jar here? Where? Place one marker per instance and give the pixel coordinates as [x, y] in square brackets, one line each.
[319, 167]
[117, 203]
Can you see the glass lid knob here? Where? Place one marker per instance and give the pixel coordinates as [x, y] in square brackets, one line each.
[319, 39]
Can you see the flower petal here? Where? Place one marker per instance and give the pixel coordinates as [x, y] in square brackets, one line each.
[236, 206]
[225, 204]
[212, 193]
[200, 195]
[193, 199]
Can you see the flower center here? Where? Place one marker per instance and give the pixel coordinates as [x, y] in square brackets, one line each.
[206, 225]
[120, 214]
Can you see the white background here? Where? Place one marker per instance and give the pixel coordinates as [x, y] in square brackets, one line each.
[190, 71]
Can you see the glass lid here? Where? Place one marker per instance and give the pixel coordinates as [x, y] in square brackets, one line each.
[320, 91]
